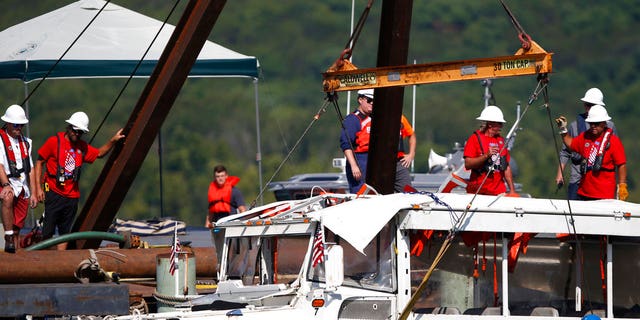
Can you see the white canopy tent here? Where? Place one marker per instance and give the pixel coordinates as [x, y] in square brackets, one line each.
[111, 46]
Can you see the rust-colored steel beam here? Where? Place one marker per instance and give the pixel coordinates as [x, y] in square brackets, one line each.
[147, 117]
[393, 50]
[52, 266]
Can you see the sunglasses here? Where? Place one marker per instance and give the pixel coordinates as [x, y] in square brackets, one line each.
[17, 125]
[369, 100]
[78, 132]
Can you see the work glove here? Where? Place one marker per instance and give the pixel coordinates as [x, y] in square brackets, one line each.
[562, 125]
[622, 191]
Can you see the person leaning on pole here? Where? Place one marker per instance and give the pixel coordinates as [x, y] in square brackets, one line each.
[58, 166]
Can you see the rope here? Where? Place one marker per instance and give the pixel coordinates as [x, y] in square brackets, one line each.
[316, 117]
[63, 54]
[134, 71]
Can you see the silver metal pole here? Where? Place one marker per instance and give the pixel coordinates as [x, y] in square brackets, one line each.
[258, 148]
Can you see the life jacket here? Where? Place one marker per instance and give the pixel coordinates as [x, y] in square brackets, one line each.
[489, 164]
[77, 154]
[14, 172]
[220, 196]
[362, 136]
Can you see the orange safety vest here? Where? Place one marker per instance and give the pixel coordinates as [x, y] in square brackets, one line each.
[362, 136]
[220, 196]
[11, 158]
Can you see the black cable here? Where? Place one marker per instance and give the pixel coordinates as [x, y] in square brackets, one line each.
[316, 117]
[134, 71]
[63, 54]
[579, 250]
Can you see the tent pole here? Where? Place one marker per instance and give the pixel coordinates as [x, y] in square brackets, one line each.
[259, 151]
[26, 110]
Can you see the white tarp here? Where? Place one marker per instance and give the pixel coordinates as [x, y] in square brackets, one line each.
[111, 46]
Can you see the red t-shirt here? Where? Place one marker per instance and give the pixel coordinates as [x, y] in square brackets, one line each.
[495, 182]
[73, 154]
[601, 184]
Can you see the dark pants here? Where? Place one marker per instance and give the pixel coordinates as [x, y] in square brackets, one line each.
[572, 191]
[59, 212]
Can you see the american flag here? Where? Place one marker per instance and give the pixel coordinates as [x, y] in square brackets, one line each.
[173, 259]
[70, 162]
[317, 255]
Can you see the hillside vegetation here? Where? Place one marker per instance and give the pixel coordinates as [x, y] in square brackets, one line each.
[214, 121]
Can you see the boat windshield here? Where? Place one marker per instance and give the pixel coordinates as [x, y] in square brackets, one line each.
[373, 271]
[266, 260]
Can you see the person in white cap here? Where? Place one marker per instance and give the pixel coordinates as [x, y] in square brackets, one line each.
[603, 155]
[486, 155]
[592, 97]
[354, 140]
[16, 177]
[59, 160]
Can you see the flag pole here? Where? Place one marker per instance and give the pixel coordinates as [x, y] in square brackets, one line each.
[175, 261]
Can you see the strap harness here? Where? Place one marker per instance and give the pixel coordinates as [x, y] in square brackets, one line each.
[60, 175]
[489, 164]
[14, 172]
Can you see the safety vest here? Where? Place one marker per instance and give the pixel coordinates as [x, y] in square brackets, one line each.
[362, 136]
[220, 196]
[14, 172]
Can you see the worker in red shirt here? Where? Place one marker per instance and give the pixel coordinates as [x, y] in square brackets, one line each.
[603, 155]
[59, 161]
[486, 155]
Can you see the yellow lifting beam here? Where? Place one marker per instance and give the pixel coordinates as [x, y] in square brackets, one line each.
[530, 62]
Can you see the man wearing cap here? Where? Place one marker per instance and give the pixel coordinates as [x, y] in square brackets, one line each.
[16, 177]
[592, 97]
[60, 159]
[603, 155]
[354, 140]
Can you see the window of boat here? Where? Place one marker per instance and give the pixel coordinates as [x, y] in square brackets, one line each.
[374, 271]
[266, 260]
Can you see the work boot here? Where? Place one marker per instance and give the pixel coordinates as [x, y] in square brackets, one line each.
[8, 244]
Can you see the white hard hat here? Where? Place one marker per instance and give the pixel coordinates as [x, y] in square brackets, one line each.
[597, 113]
[491, 113]
[15, 114]
[594, 96]
[366, 92]
[79, 121]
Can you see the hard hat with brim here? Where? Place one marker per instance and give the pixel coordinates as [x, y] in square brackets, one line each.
[593, 96]
[15, 114]
[491, 114]
[79, 121]
[597, 113]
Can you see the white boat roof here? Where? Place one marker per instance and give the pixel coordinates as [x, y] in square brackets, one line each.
[359, 220]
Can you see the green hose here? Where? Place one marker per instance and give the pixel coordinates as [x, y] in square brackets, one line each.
[77, 236]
